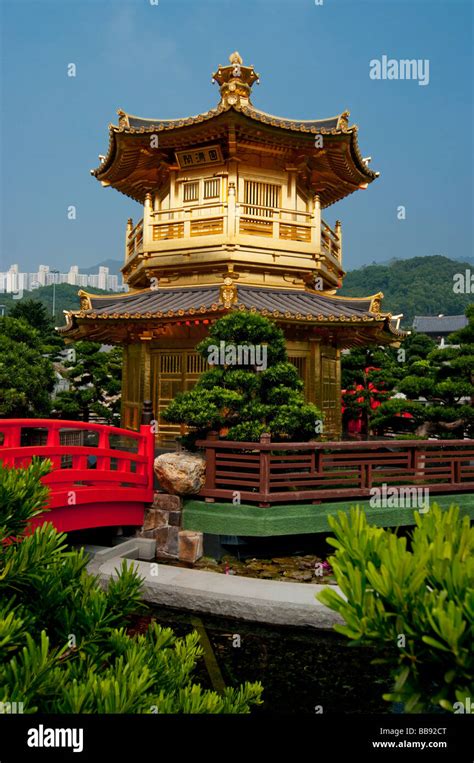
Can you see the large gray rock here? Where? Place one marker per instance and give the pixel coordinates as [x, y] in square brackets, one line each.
[180, 473]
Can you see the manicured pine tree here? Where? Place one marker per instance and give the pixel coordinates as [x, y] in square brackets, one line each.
[439, 388]
[242, 401]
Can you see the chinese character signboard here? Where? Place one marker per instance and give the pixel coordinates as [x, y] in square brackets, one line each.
[200, 156]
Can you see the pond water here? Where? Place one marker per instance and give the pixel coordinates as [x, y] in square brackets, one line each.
[302, 670]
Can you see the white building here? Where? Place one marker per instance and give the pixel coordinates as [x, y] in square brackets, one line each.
[13, 281]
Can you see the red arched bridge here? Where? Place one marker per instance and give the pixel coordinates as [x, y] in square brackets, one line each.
[101, 475]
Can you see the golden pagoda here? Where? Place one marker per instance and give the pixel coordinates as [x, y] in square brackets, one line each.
[232, 203]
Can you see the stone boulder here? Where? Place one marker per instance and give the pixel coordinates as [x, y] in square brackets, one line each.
[180, 473]
[190, 546]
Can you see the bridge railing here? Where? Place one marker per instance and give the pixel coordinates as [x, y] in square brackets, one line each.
[92, 464]
[266, 472]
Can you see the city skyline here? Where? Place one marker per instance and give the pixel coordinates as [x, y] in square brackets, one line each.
[13, 280]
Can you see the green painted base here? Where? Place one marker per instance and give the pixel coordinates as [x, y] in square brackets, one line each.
[298, 519]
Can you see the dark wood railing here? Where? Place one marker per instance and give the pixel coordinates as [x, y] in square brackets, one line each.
[267, 472]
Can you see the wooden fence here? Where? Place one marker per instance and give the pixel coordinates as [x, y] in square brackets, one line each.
[267, 472]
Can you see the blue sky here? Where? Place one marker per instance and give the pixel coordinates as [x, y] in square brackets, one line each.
[157, 60]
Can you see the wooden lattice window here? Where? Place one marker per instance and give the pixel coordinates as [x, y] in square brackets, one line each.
[170, 363]
[330, 402]
[212, 188]
[191, 191]
[262, 195]
[329, 369]
[196, 364]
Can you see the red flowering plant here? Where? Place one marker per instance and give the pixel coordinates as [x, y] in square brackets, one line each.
[359, 401]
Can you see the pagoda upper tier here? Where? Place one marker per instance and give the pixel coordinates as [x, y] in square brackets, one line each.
[330, 166]
[234, 192]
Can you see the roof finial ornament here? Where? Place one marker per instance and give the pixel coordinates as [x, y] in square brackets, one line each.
[235, 58]
[235, 82]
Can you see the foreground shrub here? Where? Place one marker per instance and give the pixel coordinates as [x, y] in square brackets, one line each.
[64, 646]
[417, 603]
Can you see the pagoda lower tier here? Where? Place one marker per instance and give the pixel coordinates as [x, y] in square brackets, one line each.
[160, 328]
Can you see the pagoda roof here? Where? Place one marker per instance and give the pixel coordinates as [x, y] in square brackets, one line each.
[135, 169]
[165, 304]
[315, 126]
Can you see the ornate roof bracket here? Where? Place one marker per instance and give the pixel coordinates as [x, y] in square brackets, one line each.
[84, 300]
[376, 303]
[228, 293]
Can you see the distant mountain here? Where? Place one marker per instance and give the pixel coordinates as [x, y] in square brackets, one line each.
[415, 286]
[113, 266]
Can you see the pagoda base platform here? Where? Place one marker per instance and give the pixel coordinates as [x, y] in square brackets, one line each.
[298, 519]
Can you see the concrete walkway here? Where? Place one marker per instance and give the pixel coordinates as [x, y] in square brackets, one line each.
[262, 601]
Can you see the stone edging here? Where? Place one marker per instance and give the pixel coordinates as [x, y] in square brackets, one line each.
[252, 599]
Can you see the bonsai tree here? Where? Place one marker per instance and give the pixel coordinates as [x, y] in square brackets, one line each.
[415, 604]
[371, 379]
[251, 388]
[439, 388]
[64, 642]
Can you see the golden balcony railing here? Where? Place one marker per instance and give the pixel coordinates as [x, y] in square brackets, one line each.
[187, 222]
[134, 239]
[331, 240]
[286, 224]
[237, 221]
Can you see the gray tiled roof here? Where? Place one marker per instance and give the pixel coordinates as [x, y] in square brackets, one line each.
[155, 300]
[162, 300]
[433, 324]
[294, 124]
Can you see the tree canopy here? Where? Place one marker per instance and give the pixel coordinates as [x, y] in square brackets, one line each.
[418, 388]
[238, 399]
[26, 375]
[65, 297]
[95, 383]
[37, 316]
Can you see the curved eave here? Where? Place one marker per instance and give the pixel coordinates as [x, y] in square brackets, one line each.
[83, 323]
[130, 125]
